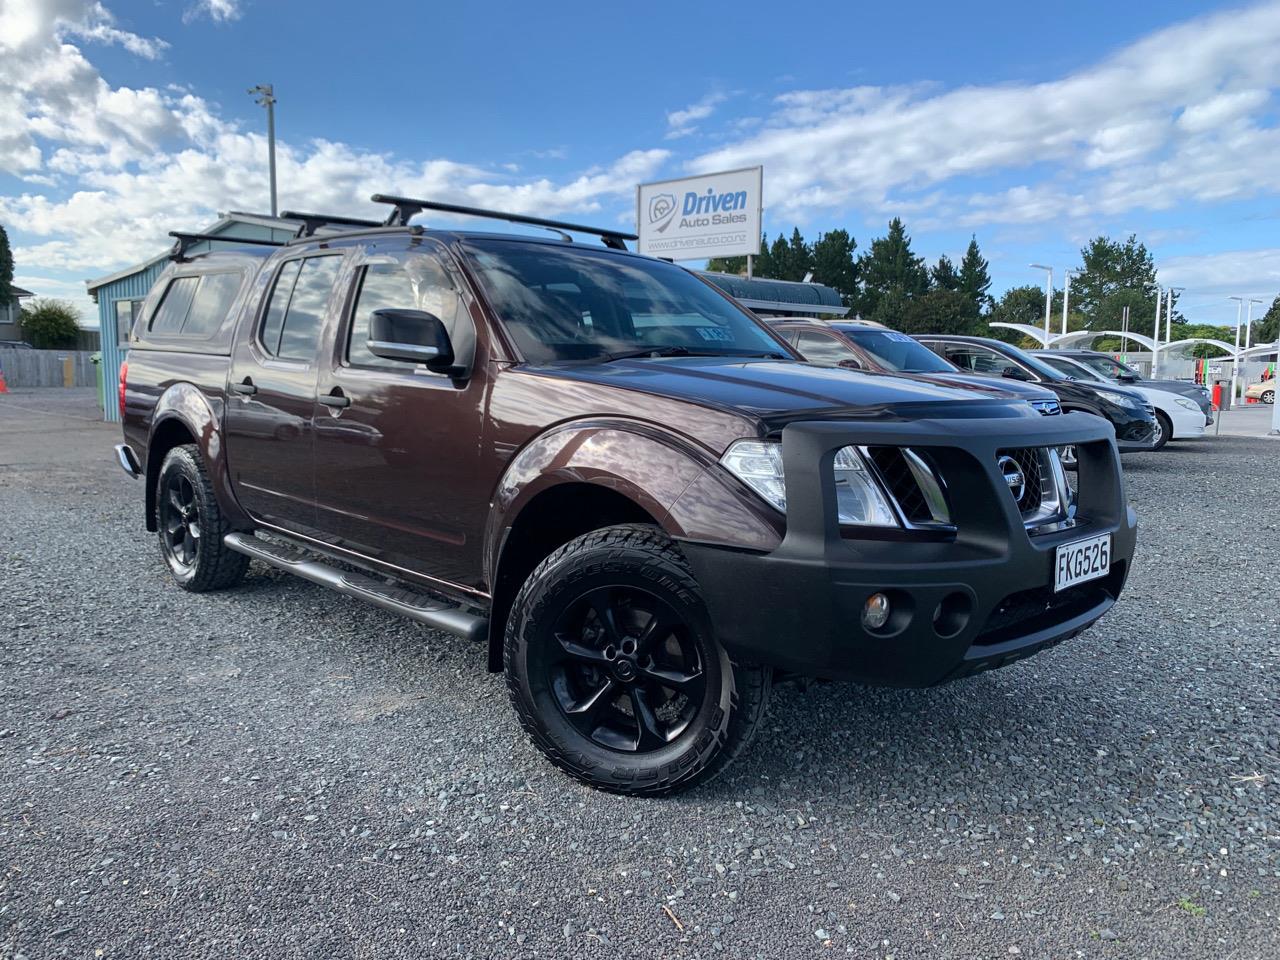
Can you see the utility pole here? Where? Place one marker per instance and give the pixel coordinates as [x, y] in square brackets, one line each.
[267, 98]
[1066, 296]
[1048, 298]
[1235, 359]
[1155, 337]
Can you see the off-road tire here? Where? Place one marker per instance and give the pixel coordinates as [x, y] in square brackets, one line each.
[736, 693]
[212, 566]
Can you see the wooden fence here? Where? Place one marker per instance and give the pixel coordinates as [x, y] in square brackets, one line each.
[47, 368]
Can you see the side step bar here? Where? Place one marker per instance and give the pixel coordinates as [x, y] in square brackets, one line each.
[397, 599]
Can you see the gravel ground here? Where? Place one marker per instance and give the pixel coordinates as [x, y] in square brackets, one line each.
[278, 771]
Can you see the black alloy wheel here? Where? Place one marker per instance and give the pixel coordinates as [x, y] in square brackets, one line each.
[614, 669]
[624, 669]
[179, 523]
[191, 525]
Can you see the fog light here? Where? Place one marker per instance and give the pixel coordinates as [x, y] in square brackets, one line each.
[875, 612]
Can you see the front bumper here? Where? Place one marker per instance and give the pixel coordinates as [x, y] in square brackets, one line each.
[1186, 424]
[977, 599]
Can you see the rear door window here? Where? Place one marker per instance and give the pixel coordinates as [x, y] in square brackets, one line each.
[297, 307]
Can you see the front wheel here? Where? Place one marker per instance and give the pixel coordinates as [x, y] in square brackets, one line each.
[615, 673]
[1163, 430]
[191, 525]
[1268, 396]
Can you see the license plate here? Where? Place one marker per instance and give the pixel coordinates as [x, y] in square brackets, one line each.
[1080, 561]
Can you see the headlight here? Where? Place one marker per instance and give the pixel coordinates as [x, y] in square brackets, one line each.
[1120, 400]
[1188, 404]
[859, 500]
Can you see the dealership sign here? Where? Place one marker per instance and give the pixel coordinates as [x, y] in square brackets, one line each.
[716, 215]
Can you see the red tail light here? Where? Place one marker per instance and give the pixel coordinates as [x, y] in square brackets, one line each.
[124, 377]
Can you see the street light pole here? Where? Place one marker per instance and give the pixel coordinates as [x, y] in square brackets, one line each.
[267, 98]
[1066, 296]
[1048, 298]
[1235, 359]
[1248, 326]
[1155, 337]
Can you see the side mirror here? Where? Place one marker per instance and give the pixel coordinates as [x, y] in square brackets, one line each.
[414, 336]
[1014, 373]
[849, 364]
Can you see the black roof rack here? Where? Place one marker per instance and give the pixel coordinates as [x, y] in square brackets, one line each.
[311, 222]
[406, 208]
[186, 240]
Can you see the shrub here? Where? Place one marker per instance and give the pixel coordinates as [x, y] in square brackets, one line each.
[51, 324]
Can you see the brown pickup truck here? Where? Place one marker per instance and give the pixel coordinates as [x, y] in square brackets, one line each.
[631, 490]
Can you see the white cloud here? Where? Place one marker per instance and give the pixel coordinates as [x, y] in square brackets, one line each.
[219, 11]
[140, 162]
[1248, 273]
[1179, 115]
[681, 123]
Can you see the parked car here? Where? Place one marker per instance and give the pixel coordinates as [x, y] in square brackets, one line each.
[1177, 417]
[873, 347]
[14, 345]
[1132, 418]
[607, 472]
[1124, 375]
[1264, 390]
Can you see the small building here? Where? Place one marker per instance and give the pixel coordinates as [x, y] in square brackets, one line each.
[119, 295]
[11, 315]
[780, 298]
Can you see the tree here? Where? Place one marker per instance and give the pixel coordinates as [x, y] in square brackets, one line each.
[779, 258]
[763, 267]
[1018, 305]
[1268, 328]
[1110, 267]
[942, 311]
[889, 265]
[944, 274]
[975, 278]
[51, 324]
[6, 269]
[833, 262]
[738, 265]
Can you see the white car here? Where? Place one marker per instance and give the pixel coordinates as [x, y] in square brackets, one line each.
[1177, 417]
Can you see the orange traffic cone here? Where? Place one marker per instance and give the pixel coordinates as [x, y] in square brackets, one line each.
[4, 387]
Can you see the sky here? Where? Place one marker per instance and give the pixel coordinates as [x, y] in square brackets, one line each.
[1033, 129]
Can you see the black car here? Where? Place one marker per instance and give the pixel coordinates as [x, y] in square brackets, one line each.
[1121, 373]
[1131, 416]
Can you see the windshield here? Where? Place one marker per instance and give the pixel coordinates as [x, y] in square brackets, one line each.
[896, 351]
[1076, 371]
[1108, 368]
[566, 303]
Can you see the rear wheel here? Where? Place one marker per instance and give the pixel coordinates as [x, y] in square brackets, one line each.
[1268, 396]
[1163, 430]
[615, 673]
[191, 525]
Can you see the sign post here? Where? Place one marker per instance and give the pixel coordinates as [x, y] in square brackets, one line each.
[696, 218]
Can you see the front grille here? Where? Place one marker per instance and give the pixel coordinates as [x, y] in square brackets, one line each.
[1047, 408]
[1028, 460]
[901, 484]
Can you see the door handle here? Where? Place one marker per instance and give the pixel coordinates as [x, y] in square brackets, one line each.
[335, 399]
[245, 389]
